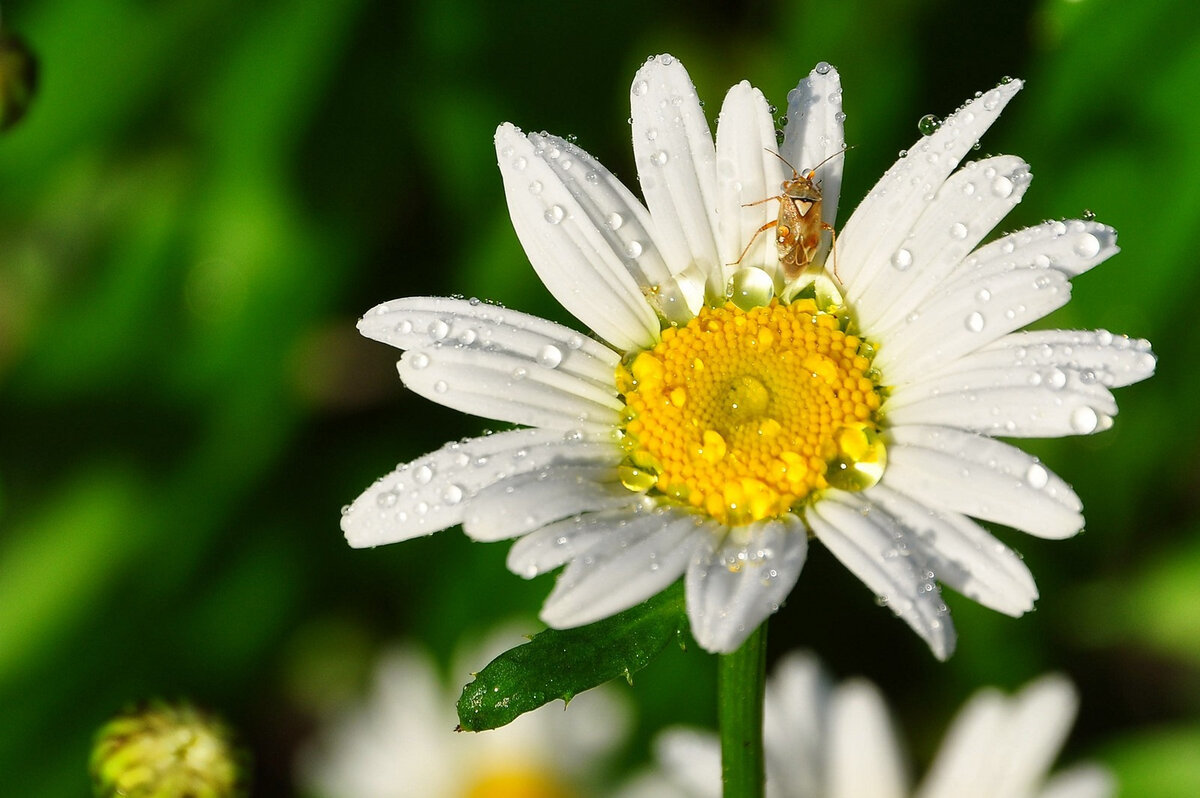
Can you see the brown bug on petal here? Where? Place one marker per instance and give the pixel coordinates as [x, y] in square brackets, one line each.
[799, 226]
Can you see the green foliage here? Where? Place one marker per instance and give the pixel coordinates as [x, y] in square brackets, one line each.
[560, 664]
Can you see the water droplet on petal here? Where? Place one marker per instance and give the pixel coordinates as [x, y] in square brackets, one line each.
[419, 360]
[1037, 476]
[640, 88]
[452, 495]
[520, 163]
[438, 330]
[386, 499]
[614, 221]
[519, 373]
[1002, 187]
[633, 248]
[958, 230]
[822, 68]
[928, 124]
[423, 475]
[554, 214]
[440, 386]
[975, 322]
[1084, 420]
[902, 259]
[1087, 246]
[550, 356]
[660, 158]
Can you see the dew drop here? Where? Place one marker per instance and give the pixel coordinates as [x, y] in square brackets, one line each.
[419, 360]
[519, 373]
[928, 124]
[554, 214]
[467, 337]
[423, 475]
[387, 499]
[958, 230]
[440, 386]
[1084, 420]
[975, 322]
[1002, 187]
[633, 248]
[660, 158]
[614, 221]
[983, 295]
[574, 342]
[405, 327]
[535, 187]
[1057, 379]
[452, 495]
[902, 259]
[519, 163]
[651, 134]
[438, 330]
[1087, 246]
[750, 288]
[1037, 476]
[822, 68]
[550, 356]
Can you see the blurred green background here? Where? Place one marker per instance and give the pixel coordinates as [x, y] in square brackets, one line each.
[206, 194]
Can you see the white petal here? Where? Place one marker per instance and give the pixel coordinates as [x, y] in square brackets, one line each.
[948, 469]
[1039, 720]
[560, 542]
[693, 760]
[526, 502]
[964, 210]
[963, 555]
[675, 156]
[964, 763]
[735, 584]
[881, 223]
[442, 322]
[1095, 356]
[509, 388]
[629, 567]
[748, 172]
[967, 317]
[431, 492]
[1071, 247]
[1011, 411]
[814, 134]
[1081, 781]
[796, 709]
[864, 758]
[567, 247]
[624, 223]
[871, 544]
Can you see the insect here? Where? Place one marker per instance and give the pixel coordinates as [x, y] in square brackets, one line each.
[799, 225]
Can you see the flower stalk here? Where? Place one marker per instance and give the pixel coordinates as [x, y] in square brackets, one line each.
[741, 680]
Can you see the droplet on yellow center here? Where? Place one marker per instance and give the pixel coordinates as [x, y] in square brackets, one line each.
[744, 414]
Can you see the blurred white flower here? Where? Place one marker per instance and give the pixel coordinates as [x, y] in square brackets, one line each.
[746, 394]
[824, 741]
[400, 741]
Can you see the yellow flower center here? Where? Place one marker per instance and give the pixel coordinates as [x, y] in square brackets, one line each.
[744, 414]
[517, 783]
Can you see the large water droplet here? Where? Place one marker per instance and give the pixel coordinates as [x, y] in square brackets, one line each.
[1084, 420]
[550, 356]
[975, 322]
[1037, 476]
[1002, 187]
[958, 230]
[1087, 246]
[750, 288]
[452, 495]
[902, 259]
[822, 68]
[554, 214]
[633, 248]
[423, 474]
[640, 88]
[419, 360]
[928, 124]
[438, 330]
[614, 221]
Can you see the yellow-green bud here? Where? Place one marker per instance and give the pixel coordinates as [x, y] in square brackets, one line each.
[165, 751]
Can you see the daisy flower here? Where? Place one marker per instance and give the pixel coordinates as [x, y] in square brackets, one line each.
[740, 396]
[838, 742]
[399, 742]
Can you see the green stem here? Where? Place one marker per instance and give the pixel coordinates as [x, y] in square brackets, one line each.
[741, 678]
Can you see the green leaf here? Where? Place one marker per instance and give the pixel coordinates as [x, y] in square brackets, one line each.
[563, 663]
